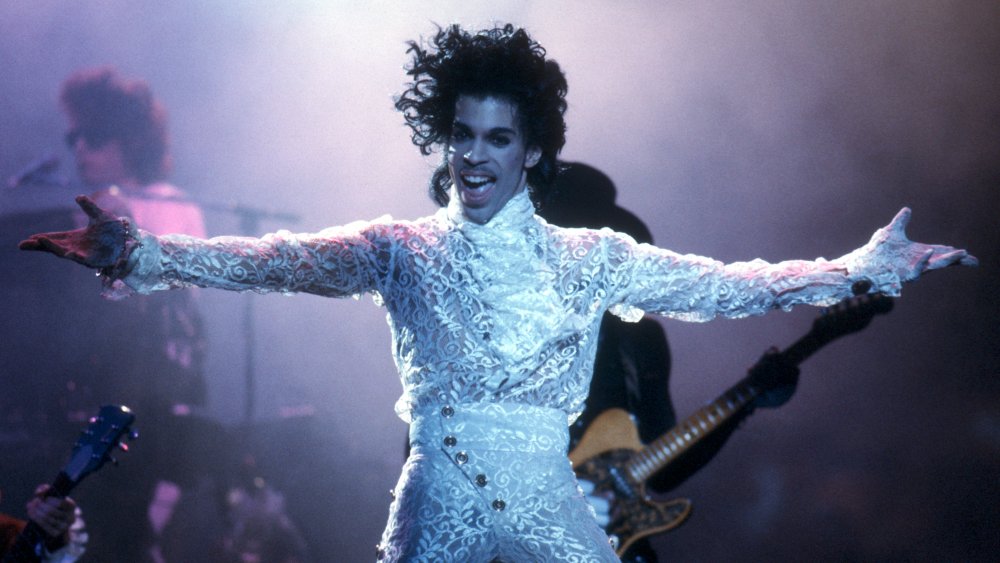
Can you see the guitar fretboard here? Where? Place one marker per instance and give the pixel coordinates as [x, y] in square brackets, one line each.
[670, 446]
[850, 316]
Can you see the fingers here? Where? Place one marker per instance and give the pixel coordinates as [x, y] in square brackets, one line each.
[92, 210]
[88, 206]
[924, 262]
[54, 515]
[952, 258]
[600, 504]
[43, 242]
[78, 246]
[30, 243]
[900, 221]
[602, 509]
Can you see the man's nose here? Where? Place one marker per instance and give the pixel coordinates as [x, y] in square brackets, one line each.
[476, 153]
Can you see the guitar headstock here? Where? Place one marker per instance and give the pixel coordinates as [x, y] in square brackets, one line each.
[851, 315]
[98, 441]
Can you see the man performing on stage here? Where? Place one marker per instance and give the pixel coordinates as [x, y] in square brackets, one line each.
[494, 312]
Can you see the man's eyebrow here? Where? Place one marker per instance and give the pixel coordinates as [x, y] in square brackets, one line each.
[503, 131]
[457, 124]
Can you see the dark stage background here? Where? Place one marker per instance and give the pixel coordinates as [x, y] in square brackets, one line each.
[778, 129]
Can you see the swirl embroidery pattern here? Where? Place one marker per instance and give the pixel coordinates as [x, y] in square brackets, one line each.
[503, 312]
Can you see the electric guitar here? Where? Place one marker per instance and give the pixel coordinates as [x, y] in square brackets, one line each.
[92, 450]
[611, 455]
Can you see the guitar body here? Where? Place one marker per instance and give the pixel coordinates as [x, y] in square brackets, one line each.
[602, 457]
[613, 429]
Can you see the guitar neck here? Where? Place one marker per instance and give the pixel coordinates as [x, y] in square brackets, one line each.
[91, 451]
[805, 347]
[670, 446]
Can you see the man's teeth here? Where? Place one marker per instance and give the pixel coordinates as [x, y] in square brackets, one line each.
[476, 182]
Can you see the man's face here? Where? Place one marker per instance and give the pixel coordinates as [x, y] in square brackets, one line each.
[487, 156]
[100, 161]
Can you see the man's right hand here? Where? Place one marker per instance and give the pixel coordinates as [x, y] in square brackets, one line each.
[776, 377]
[53, 514]
[600, 504]
[98, 245]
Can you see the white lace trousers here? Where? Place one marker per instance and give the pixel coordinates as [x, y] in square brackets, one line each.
[490, 482]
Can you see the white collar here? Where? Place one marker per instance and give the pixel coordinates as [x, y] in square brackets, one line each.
[515, 214]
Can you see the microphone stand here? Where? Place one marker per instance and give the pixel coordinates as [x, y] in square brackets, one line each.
[250, 219]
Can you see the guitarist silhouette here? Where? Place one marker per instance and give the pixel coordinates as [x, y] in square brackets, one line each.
[611, 456]
[632, 367]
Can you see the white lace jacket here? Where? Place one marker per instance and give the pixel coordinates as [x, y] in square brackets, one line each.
[507, 311]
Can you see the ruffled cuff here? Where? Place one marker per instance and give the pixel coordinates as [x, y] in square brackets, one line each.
[138, 264]
[111, 276]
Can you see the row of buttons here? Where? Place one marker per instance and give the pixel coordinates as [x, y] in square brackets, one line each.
[462, 458]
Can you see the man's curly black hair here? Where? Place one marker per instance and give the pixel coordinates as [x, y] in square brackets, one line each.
[501, 62]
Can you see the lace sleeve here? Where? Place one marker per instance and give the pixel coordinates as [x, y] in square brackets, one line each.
[336, 262]
[696, 288]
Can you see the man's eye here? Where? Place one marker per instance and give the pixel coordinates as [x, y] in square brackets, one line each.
[459, 135]
[501, 141]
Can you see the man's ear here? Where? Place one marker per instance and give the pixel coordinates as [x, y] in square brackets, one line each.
[532, 157]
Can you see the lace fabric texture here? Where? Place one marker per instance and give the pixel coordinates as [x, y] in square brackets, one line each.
[508, 311]
[490, 482]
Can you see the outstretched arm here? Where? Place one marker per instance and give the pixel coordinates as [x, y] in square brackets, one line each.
[696, 288]
[337, 262]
